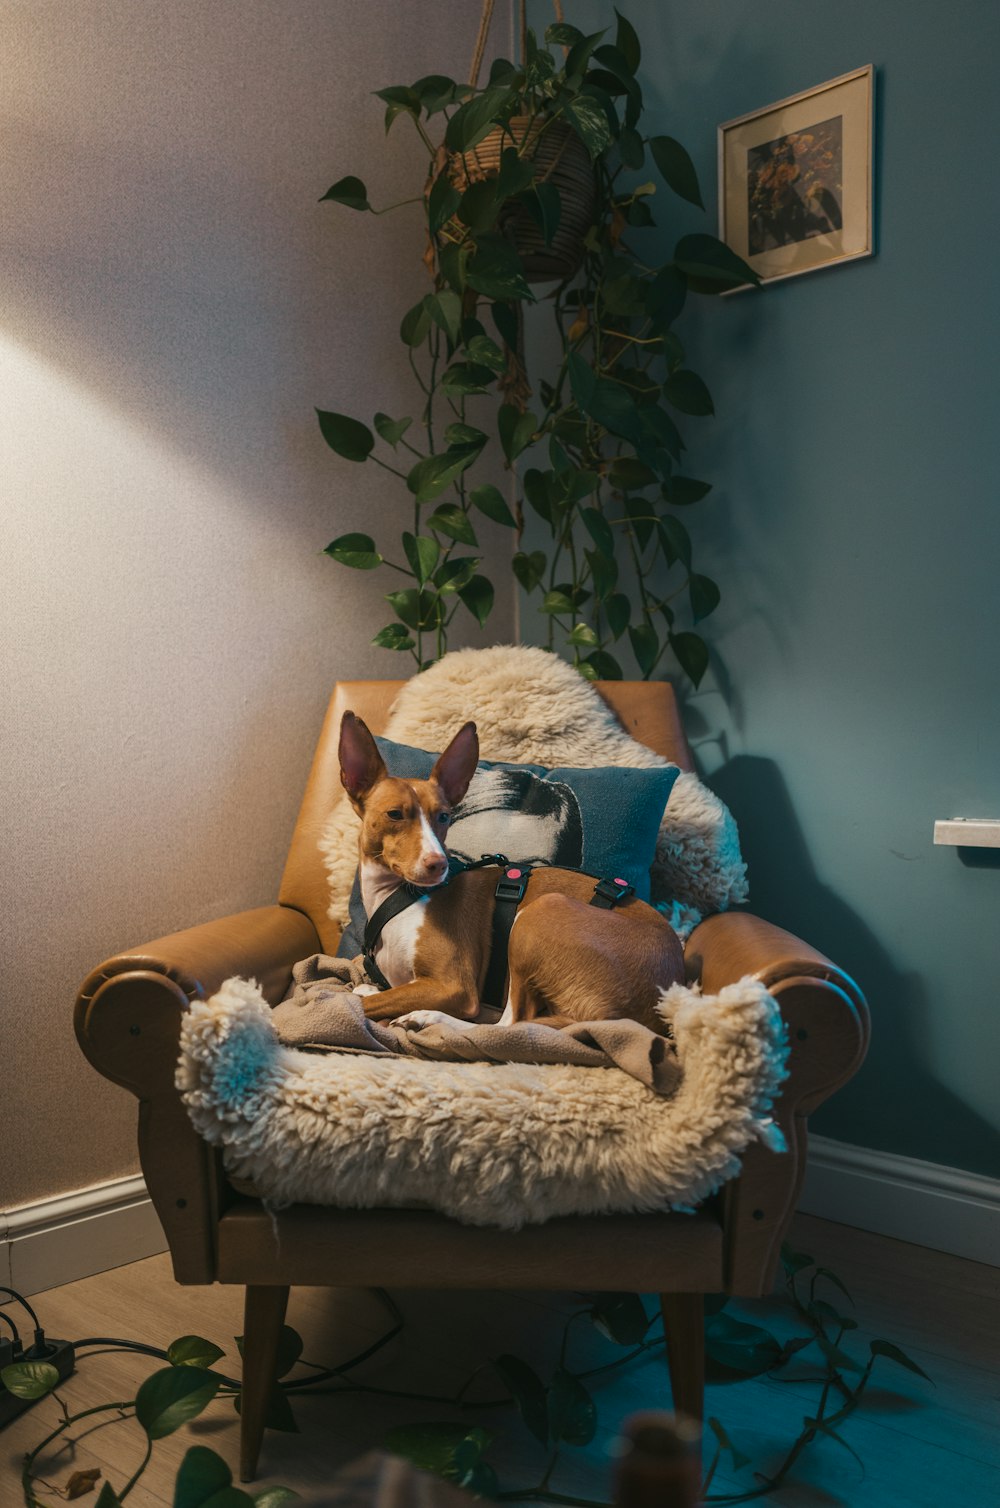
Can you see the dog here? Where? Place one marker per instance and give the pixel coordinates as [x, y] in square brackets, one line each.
[568, 960]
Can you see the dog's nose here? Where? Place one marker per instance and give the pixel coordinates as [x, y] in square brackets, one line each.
[435, 865]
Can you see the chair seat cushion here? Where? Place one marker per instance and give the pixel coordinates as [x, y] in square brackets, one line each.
[503, 1144]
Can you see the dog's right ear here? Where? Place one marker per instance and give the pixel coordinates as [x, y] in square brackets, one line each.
[361, 764]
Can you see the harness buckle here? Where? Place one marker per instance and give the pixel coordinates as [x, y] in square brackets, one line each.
[513, 883]
[607, 893]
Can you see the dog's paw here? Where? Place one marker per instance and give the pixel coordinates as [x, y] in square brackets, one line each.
[415, 1021]
[365, 989]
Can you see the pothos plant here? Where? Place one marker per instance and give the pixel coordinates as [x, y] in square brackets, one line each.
[534, 176]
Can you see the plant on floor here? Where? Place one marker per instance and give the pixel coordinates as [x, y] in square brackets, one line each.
[537, 176]
[561, 1411]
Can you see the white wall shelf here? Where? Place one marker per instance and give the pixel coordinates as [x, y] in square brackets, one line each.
[968, 832]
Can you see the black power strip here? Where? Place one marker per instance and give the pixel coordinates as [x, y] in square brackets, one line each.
[59, 1354]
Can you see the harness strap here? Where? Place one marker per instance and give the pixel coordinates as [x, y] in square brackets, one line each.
[509, 894]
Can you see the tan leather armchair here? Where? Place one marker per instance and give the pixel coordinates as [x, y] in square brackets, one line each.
[127, 1020]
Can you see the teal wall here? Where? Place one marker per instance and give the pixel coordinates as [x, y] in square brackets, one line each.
[855, 532]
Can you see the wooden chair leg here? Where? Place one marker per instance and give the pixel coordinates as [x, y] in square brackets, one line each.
[263, 1317]
[684, 1323]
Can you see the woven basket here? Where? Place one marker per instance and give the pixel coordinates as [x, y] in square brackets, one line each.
[559, 158]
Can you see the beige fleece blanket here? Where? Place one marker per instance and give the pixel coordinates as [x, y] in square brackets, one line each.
[321, 1011]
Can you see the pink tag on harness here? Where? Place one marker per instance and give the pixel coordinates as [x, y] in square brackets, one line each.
[623, 883]
[513, 874]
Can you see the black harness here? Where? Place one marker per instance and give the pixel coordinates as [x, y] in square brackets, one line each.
[509, 894]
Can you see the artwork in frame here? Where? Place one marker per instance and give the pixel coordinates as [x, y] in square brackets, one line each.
[795, 179]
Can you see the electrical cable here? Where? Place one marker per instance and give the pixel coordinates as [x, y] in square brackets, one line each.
[13, 1328]
[23, 1302]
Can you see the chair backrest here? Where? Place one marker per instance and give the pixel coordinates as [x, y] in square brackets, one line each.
[646, 709]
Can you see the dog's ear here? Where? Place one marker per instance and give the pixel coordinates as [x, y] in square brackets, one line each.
[457, 765]
[361, 764]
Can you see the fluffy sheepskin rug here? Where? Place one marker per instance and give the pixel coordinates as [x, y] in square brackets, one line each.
[489, 1144]
[531, 707]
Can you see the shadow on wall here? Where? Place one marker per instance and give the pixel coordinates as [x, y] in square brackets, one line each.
[786, 889]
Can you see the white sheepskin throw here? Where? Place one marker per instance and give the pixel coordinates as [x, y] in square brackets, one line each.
[489, 1144]
[531, 707]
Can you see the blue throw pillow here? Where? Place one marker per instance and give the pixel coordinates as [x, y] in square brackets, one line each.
[604, 821]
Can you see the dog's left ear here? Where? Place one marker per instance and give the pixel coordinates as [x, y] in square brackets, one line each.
[457, 765]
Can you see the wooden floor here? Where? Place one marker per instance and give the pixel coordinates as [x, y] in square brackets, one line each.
[921, 1445]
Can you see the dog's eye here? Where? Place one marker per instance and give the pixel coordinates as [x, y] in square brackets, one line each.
[444, 818]
[396, 815]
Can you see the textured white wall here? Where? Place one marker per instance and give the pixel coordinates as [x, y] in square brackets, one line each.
[175, 302]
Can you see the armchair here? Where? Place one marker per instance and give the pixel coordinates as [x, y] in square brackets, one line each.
[128, 1015]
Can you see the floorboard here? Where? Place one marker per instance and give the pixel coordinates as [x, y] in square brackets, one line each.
[920, 1443]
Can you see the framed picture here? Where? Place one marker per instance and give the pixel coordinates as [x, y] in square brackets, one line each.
[795, 179]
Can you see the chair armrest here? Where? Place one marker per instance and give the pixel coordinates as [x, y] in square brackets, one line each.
[828, 1030]
[127, 1020]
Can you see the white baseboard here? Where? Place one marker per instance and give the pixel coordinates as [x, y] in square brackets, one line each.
[73, 1235]
[923, 1202]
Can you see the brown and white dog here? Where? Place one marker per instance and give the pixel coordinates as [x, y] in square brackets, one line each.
[568, 961]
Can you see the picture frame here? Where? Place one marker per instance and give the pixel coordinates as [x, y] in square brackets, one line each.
[795, 179]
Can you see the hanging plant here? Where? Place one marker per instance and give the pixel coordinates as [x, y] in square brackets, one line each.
[533, 178]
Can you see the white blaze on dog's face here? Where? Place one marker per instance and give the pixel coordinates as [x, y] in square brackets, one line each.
[404, 823]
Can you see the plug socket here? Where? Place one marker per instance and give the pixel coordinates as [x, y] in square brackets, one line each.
[61, 1355]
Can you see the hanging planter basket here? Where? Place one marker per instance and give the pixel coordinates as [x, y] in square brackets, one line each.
[560, 158]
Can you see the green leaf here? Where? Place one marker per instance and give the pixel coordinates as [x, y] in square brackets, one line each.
[707, 258]
[399, 101]
[391, 430]
[572, 1412]
[692, 655]
[357, 550]
[429, 477]
[505, 319]
[561, 34]
[393, 636]
[29, 1379]
[442, 202]
[453, 521]
[445, 309]
[193, 1351]
[526, 1389]
[477, 595]
[619, 1316]
[453, 261]
[108, 1498]
[279, 1414]
[599, 529]
[580, 53]
[465, 377]
[489, 500]
[642, 520]
[435, 91]
[629, 475]
[831, 1277]
[415, 324]
[682, 491]
[423, 555]
[573, 484]
[348, 437]
[837, 1358]
[455, 573]
[893, 1353]
[274, 1497]
[556, 602]
[496, 270]
[582, 635]
[795, 1261]
[484, 352]
[205, 1481]
[645, 646]
[590, 122]
[686, 391]
[538, 492]
[677, 168]
[170, 1398]
[676, 540]
[618, 611]
[628, 43]
[705, 596]
[439, 1447]
[657, 426]
[516, 430]
[740, 1347]
[607, 402]
[477, 117]
[632, 149]
[529, 569]
[349, 191]
[604, 572]
[604, 666]
[665, 296]
[464, 437]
